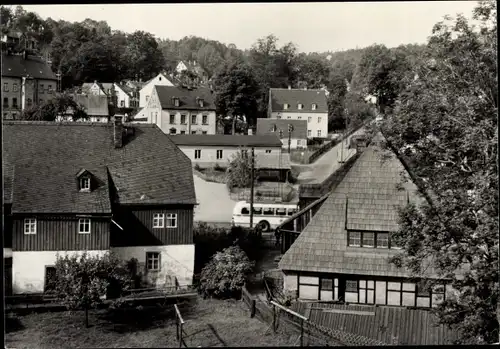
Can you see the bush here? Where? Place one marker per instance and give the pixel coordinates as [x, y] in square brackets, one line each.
[197, 167]
[239, 171]
[225, 274]
[218, 168]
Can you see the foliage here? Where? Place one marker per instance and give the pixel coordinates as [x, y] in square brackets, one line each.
[357, 109]
[447, 129]
[55, 108]
[224, 276]
[336, 102]
[313, 71]
[239, 171]
[236, 92]
[83, 281]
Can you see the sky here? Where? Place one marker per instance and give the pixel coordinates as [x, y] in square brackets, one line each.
[313, 27]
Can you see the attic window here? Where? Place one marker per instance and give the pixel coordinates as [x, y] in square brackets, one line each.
[314, 106]
[200, 102]
[299, 106]
[176, 101]
[85, 183]
[285, 106]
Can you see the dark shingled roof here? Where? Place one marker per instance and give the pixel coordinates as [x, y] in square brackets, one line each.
[47, 156]
[280, 96]
[265, 127]
[187, 98]
[227, 140]
[370, 196]
[35, 67]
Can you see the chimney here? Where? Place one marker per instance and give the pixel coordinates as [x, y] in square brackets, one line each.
[118, 131]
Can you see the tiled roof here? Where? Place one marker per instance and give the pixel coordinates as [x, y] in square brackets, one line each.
[46, 157]
[94, 105]
[368, 198]
[227, 140]
[272, 161]
[128, 90]
[35, 67]
[187, 98]
[292, 97]
[193, 66]
[265, 126]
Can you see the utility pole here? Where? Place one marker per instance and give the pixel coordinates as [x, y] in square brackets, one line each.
[290, 130]
[252, 174]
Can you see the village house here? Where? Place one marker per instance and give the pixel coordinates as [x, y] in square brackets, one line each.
[126, 96]
[181, 110]
[75, 187]
[96, 107]
[342, 253]
[295, 130]
[148, 87]
[193, 67]
[301, 104]
[101, 89]
[27, 81]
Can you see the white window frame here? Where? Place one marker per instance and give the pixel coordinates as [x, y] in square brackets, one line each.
[285, 106]
[319, 119]
[30, 223]
[309, 133]
[197, 153]
[319, 133]
[158, 220]
[84, 221]
[83, 181]
[154, 257]
[218, 154]
[299, 106]
[313, 107]
[14, 87]
[309, 119]
[171, 220]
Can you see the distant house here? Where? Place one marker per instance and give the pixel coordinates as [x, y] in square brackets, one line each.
[26, 81]
[147, 89]
[342, 254]
[193, 67]
[101, 89]
[179, 110]
[80, 187]
[301, 104]
[280, 127]
[126, 96]
[96, 107]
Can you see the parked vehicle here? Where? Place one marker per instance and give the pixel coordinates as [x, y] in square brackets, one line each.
[266, 215]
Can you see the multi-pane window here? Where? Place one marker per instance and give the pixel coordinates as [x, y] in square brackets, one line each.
[84, 226]
[172, 119]
[122, 103]
[319, 119]
[309, 119]
[197, 153]
[204, 119]
[319, 133]
[158, 220]
[171, 220]
[219, 154]
[14, 87]
[326, 284]
[268, 151]
[5, 102]
[313, 106]
[176, 102]
[153, 261]
[85, 184]
[14, 102]
[183, 132]
[366, 292]
[183, 118]
[30, 226]
[203, 132]
[6, 87]
[369, 239]
[309, 133]
[50, 89]
[193, 119]
[193, 132]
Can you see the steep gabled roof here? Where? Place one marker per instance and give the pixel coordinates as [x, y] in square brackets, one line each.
[265, 127]
[187, 98]
[292, 97]
[366, 199]
[45, 156]
[227, 140]
[35, 67]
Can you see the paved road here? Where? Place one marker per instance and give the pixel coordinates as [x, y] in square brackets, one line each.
[214, 203]
[328, 163]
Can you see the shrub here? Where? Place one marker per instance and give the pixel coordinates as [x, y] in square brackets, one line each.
[224, 276]
[197, 167]
[218, 168]
[239, 171]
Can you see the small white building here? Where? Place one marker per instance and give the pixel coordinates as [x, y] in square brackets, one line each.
[281, 127]
[147, 89]
[301, 104]
[181, 110]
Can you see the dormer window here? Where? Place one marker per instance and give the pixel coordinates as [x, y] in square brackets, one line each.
[300, 106]
[200, 102]
[176, 101]
[84, 183]
[314, 106]
[285, 106]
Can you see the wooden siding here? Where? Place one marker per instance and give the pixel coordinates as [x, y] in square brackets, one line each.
[391, 325]
[60, 234]
[137, 223]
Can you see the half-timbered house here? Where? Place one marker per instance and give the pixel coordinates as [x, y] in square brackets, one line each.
[75, 187]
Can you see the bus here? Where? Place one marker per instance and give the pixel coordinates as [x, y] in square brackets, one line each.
[267, 215]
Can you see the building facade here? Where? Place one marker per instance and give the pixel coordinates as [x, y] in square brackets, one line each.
[301, 104]
[93, 197]
[147, 89]
[350, 240]
[26, 81]
[180, 110]
[294, 131]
